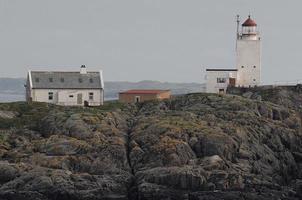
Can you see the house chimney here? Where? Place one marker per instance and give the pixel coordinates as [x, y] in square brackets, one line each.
[83, 69]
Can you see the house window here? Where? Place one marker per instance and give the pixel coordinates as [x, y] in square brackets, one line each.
[90, 95]
[70, 96]
[254, 79]
[62, 80]
[80, 80]
[37, 80]
[91, 80]
[242, 66]
[254, 66]
[50, 95]
[50, 79]
[221, 80]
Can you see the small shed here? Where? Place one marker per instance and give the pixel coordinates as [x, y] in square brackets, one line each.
[139, 95]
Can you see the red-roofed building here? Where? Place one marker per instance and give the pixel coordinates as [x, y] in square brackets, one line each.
[141, 95]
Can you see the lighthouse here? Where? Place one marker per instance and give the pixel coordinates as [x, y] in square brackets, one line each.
[248, 54]
[247, 70]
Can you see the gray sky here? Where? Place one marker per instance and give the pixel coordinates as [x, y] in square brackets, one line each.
[132, 40]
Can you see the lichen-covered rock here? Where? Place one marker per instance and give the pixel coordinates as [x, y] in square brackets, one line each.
[197, 146]
[7, 172]
[7, 114]
[44, 183]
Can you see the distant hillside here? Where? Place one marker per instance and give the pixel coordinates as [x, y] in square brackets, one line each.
[12, 85]
[12, 89]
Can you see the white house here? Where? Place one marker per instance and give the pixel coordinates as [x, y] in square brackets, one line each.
[67, 88]
[248, 62]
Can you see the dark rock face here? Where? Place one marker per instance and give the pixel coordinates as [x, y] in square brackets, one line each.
[209, 143]
[196, 146]
[73, 154]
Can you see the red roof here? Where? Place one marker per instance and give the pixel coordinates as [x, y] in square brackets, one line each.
[249, 22]
[143, 91]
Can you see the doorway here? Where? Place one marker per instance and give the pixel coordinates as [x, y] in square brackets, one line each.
[80, 98]
[137, 99]
[232, 82]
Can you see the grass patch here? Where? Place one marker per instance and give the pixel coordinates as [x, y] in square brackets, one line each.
[29, 115]
[7, 123]
[112, 105]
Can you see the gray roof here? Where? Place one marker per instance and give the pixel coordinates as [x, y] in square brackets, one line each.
[66, 80]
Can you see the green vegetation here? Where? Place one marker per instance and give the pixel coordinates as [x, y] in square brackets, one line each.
[2, 138]
[30, 114]
[27, 114]
[3, 141]
[7, 123]
[112, 105]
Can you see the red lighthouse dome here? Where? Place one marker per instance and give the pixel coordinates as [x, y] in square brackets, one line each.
[249, 22]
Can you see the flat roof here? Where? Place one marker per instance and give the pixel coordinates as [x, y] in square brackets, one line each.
[231, 70]
[142, 91]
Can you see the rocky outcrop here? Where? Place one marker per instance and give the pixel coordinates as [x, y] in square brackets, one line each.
[198, 146]
[208, 142]
[68, 153]
[7, 114]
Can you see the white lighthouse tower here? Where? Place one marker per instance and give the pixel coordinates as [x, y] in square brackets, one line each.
[248, 54]
[248, 62]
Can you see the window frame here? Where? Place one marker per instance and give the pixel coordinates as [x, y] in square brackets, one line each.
[50, 96]
[91, 96]
[221, 80]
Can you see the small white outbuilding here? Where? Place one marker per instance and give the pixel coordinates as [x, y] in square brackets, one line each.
[218, 80]
[66, 88]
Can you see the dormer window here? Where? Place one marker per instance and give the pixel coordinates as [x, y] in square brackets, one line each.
[51, 80]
